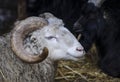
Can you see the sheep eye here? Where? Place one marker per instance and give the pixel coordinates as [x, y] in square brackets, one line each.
[50, 37]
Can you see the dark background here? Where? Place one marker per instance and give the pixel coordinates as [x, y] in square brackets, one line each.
[68, 10]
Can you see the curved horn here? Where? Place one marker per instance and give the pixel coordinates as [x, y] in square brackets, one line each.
[18, 35]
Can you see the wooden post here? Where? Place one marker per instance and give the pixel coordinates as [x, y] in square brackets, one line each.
[22, 9]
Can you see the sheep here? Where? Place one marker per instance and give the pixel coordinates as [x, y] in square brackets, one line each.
[103, 30]
[54, 39]
[41, 39]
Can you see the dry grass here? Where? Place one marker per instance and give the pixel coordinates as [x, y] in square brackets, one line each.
[82, 71]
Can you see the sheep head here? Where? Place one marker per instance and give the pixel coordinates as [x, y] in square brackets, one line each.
[46, 33]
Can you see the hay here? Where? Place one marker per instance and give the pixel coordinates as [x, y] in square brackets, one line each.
[82, 71]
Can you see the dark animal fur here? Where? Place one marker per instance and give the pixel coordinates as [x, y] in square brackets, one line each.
[105, 33]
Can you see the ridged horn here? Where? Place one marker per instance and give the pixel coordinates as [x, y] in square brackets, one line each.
[18, 35]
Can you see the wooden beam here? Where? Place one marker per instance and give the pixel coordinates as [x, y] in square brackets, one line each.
[22, 9]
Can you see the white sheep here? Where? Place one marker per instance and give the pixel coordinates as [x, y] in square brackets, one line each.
[51, 39]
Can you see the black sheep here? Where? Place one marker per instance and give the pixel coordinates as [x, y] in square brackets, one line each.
[104, 32]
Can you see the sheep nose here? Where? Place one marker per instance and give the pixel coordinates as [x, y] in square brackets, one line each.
[79, 49]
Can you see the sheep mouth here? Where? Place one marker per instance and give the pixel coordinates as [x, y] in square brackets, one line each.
[75, 57]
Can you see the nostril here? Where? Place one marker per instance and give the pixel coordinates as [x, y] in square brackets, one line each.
[79, 49]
